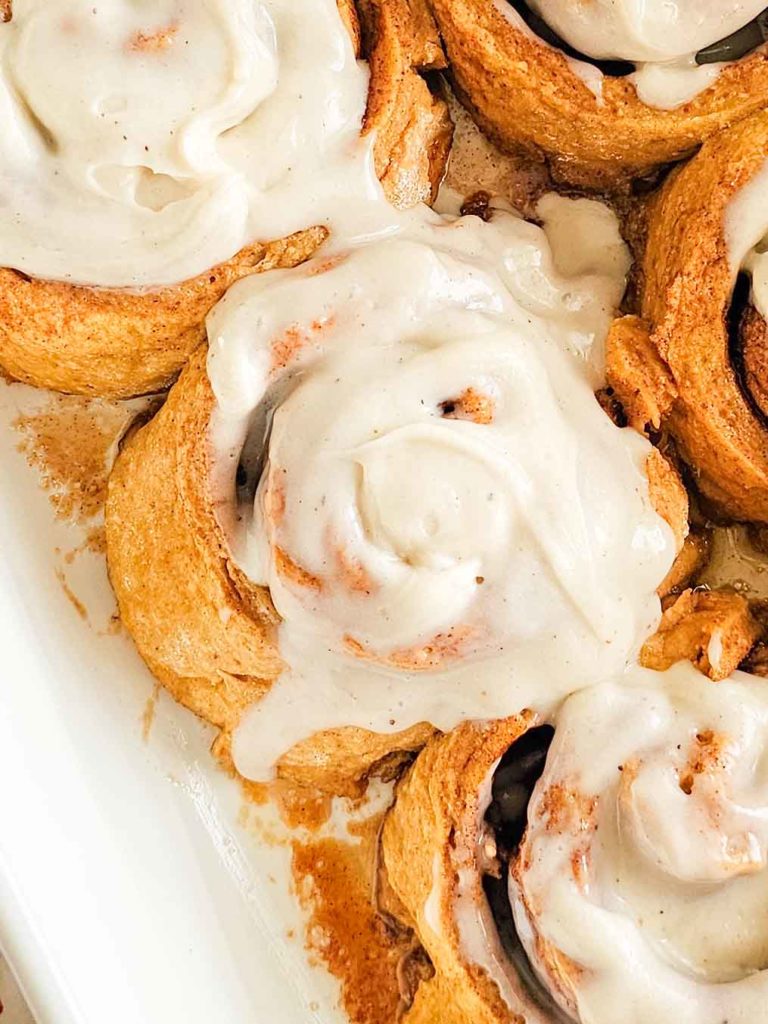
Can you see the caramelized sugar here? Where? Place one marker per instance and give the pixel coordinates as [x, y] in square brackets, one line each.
[334, 882]
[70, 441]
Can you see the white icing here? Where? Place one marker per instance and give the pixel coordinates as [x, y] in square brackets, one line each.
[657, 891]
[668, 86]
[175, 132]
[660, 37]
[449, 569]
[746, 235]
[645, 30]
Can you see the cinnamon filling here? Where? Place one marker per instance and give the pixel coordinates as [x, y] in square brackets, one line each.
[732, 48]
[513, 784]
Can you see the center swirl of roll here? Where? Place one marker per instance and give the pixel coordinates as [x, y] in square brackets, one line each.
[403, 507]
[425, 492]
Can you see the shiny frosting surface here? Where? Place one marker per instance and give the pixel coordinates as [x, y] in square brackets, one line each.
[174, 132]
[447, 521]
[642, 881]
[660, 37]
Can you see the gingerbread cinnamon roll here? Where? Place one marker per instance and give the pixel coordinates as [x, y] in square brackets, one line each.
[614, 862]
[610, 89]
[391, 502]
[694, 366]
[181, 146]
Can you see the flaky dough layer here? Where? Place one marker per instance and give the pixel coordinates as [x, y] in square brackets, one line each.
[672, 369]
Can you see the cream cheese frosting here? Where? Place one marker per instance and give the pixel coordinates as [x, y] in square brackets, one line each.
[661, 38]
[145, 142]
[449, 525]
[746, 236]
[642, 881]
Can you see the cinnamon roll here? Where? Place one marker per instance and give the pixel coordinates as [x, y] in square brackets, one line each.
[612, 863]
[393, 502]
[182, 145]
[694, 366]
[608, 89]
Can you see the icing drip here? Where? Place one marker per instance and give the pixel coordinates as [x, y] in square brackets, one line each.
[645, 30]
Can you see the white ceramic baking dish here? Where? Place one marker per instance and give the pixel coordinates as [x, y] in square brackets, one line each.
[128, 892]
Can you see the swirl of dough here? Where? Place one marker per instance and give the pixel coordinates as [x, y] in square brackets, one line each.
[611, 862]
[642, 879]
[697, 365]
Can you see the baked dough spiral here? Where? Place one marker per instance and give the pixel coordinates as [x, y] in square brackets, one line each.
[398, 475]
[598, 127]
[179, 149]
[636, 877]
[694, 365]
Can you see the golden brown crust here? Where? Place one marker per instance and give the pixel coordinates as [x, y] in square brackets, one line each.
[340, 761]
[203, 629]
[115, 343]
[413, 129]
[118, 343]
[525, 93]
[753, 333]
[638, 375]
[714, 629]
[686, 300]
[435, 1003]
[429, 835]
